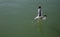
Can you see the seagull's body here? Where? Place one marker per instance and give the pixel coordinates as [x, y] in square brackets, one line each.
[40, 14]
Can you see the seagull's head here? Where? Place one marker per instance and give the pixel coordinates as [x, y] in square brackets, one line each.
[39, 7]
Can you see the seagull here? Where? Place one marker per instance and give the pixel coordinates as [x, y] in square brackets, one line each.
[40, 14]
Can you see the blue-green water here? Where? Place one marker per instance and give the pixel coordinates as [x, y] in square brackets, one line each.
[17, 18]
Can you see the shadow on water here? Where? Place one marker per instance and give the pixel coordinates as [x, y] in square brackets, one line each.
[39, 27]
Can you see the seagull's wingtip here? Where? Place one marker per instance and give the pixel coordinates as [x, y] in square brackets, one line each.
[44, 18]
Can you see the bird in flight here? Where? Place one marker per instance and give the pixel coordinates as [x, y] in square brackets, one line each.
[40, 14]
